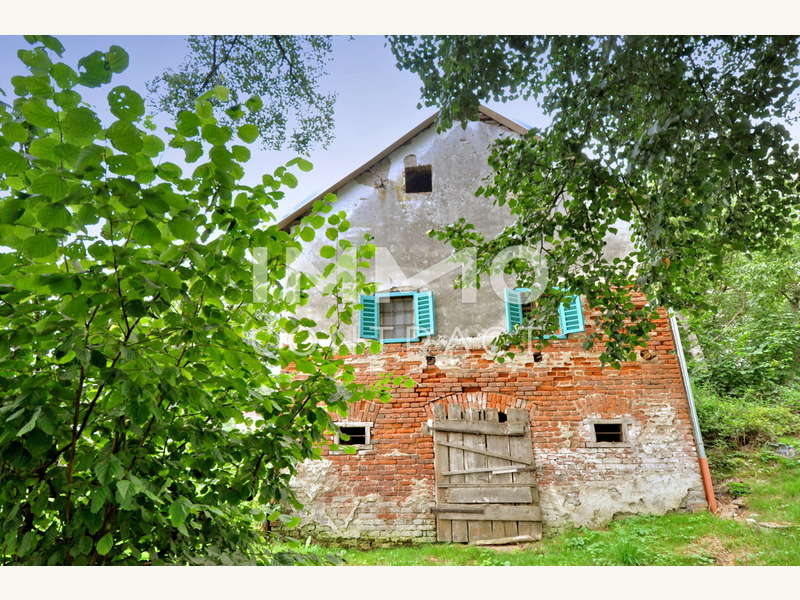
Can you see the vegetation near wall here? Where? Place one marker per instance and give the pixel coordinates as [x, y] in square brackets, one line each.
[744, 350]
[144, 414]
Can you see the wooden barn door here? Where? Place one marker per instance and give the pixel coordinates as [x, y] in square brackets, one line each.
[485, 485]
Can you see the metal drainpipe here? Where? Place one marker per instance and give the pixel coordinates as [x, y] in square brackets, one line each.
[708, 486]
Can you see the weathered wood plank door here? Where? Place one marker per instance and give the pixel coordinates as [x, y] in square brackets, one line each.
[485, 485]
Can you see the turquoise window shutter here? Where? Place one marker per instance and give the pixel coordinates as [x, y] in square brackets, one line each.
[370, 318]
[424, 314]
[513, 308]
[570, 315]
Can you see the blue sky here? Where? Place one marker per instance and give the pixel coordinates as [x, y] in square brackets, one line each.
[376, 102]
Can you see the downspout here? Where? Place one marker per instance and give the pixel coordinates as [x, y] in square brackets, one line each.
[708, 486]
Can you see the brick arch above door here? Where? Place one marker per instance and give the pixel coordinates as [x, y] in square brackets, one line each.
[476, 401]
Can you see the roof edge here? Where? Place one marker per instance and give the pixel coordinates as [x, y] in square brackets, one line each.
[305, 208]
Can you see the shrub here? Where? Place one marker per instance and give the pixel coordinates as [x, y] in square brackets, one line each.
[728, 422]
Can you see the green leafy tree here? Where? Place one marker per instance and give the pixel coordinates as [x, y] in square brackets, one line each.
[283, 70]
[750, 335]
[684, 138]
[145, 411]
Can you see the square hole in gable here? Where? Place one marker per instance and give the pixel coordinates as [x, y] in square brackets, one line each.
[419, 179]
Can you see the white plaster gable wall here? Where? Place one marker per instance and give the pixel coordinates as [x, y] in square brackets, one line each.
[376, 203]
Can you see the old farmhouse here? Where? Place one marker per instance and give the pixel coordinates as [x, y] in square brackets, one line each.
[479, 450]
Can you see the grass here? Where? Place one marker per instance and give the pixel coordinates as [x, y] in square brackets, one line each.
[770, 486]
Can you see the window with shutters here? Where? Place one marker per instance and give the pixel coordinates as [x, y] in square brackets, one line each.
[518, 305]
[397, 316]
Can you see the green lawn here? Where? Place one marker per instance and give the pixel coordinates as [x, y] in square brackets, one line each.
[674, 539]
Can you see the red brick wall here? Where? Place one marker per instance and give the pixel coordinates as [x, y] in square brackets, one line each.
[386, 491]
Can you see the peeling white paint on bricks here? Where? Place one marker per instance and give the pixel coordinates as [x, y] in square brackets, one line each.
[595, 503]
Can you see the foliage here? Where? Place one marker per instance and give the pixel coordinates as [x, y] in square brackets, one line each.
[731, 422]
[738, 489]
[279, 74]
[682, 137]
[144, 412]
[749, 338]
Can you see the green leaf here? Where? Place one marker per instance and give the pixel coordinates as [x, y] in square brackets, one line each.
[152, 145]
[51, 185]
[301, 163]
[54, 216]
[125, 137]
[67, 99]
[216, 135]
[44, 148]
[27, 544]
[37, 442]
[39, 246]
[305, 366]
[169, 171]
[124, 488]
[289, 179]
[117, 59]
[327, 252]
[11, 209]
[80, 125]
[38, 113]
[307, 233]
[248, 133]
[218, 92]
[64, 76]
[254, 104]
[193, 150]
[66, 152]
[93, 70]
[30, 424]
[146, 233]
[12, 162]
[183, 228]
[104, 544]
[235, 112]
[37, 60]
[51, 43]
[125, 104]
[240, 153]
[15, 132]
[178, 511]
[188, 123]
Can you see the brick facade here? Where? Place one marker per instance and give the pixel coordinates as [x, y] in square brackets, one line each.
[386, 490]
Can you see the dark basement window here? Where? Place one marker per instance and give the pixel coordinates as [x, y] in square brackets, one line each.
[608, 432]
[357, 436]
[419, 179]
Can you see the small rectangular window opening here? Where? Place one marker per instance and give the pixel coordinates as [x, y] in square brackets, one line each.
[419, 179]
[608, 432]
[357, 435]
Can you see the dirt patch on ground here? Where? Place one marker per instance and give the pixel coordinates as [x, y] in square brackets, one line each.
[712, 546]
